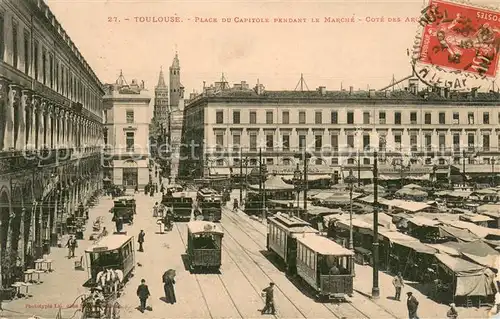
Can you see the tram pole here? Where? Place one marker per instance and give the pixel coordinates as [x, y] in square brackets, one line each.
[241, 176]
[306, 160]
[260, 182]
[375, 288]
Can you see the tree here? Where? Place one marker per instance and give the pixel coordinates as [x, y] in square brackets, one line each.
[10, 263]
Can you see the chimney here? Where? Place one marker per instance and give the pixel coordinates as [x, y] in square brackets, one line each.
[192, 96]
[351, 89]
[322, 90]
[204, 84]
[371, 93]
[442, 92]
[474, 93]
[387, 93]
[142, 84]
[447, 93]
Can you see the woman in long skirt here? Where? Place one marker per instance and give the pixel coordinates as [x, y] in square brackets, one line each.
[168, 286]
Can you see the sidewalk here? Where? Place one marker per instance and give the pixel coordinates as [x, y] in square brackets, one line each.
[427, 307]
[62, 287]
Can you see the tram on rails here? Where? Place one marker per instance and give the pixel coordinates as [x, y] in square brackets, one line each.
[180, 203]
[324, 265]
[210, 203]
[204, 245]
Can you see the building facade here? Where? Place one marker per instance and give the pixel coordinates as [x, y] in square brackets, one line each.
[126, 134]
[424, 128]
[161, 105]
[50, 130]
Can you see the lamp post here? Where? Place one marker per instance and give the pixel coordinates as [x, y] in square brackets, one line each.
[375, 288]
[350, 179]
[492, 172]
[463, 165]
[297, 181]
[263, 176]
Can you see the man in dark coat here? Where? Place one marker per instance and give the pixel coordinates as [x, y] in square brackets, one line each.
[143, 294]
[140, 240]
[412, 304]
[269, 307]
[71, 244]
[168, 287]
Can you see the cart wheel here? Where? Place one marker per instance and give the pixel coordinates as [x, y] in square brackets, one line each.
[116, 311]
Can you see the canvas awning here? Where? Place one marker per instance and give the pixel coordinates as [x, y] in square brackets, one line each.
[408, 242]
[460, 234]
[475, 218]
[225, 171]
[362, 174]
[274, 183]
[412, 206]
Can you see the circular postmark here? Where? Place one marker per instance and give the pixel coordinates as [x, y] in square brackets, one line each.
[457, 45]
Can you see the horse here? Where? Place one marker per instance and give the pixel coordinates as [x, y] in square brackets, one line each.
[110, 280]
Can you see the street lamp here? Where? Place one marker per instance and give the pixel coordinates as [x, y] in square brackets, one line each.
[297, 181]
[350, 179]
[263, 176]
[305, 156]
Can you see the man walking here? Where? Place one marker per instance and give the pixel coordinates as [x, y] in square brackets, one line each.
[452, 312]
[269, 307]
[140, 240]
[155, 210]
[143, 294]
[398, 283]
[412, 304]
[72, 244]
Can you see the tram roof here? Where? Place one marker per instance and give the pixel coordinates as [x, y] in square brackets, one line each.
[323, 245]
[107, 243]
[289, 222]
[199, 226]
[183, 194]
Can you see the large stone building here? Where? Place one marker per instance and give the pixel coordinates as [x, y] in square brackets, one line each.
[50, 130]
[418, 131]
[126, 133]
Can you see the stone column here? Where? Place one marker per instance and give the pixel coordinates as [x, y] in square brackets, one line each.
[3, 107]
[21, 106]
[21, 246]
[32, 134]
[56, 115]
[69, 119]
[9, 118]
[27, 114]
[48, 115]
[41, 129]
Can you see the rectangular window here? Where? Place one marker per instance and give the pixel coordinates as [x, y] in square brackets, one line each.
[105, 116]
[15, 48]
[413, 118]
[236, 142]
[318, 118]
[471, 140]
[350, 117]
[302, 142]
[105, 136]
[130, 117]
[428, 118]
[486, 118]
[428, 142]
[456, 142]
[413, 143]
[285, 117]
[318, 143]
[335, 117]
[269, 142]
[44, 66]
[456, 118]
[442, 118]
[381, 117]
[236, 117]
[334, 140]
[269, 117]
[397, 141]
[2, 36]
[382, 142]
[253, 117]
[442, 142]
[350, 141]
[57, 77]
[51, 70]
[470, 118]
[366, 117]
[286, 142]
[397, 118]
[219, 117]
[130, 141]
[486, 143]
[366, 141]
[26, 45]
[219, 142]
[302, 117]
[253, 142]
[35, 60]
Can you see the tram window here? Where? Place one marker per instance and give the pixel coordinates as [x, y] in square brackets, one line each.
[299, 250]
[311, 260]
[307, 257]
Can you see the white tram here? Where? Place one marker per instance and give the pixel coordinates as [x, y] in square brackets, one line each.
[282, 232]
[325, 265]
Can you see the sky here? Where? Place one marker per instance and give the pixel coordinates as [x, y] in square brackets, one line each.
[366, 53]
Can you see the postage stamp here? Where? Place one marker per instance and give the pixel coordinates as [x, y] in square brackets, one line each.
[456, 42]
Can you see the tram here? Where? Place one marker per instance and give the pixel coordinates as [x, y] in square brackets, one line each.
[181, 204]
[323, 264]
[204, 245]
[210, 202]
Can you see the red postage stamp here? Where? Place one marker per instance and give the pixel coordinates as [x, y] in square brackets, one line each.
[460, 37]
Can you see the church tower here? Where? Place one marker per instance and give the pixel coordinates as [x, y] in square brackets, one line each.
[161, 100]
[176, 88]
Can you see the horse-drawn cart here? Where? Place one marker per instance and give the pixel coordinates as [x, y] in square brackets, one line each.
[100, 306]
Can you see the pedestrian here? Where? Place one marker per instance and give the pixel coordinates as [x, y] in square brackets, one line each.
[398, 283]
[156, 188]
[269, 293]
[71, 244]
[162, 188]
[143, 294]
[104, 232]
[140, 240]
[146, 189]
[412, 304]
[152, 192]
[136, 190]
[168, 287]
[452, 312]
[235, 205]
[155, 210]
